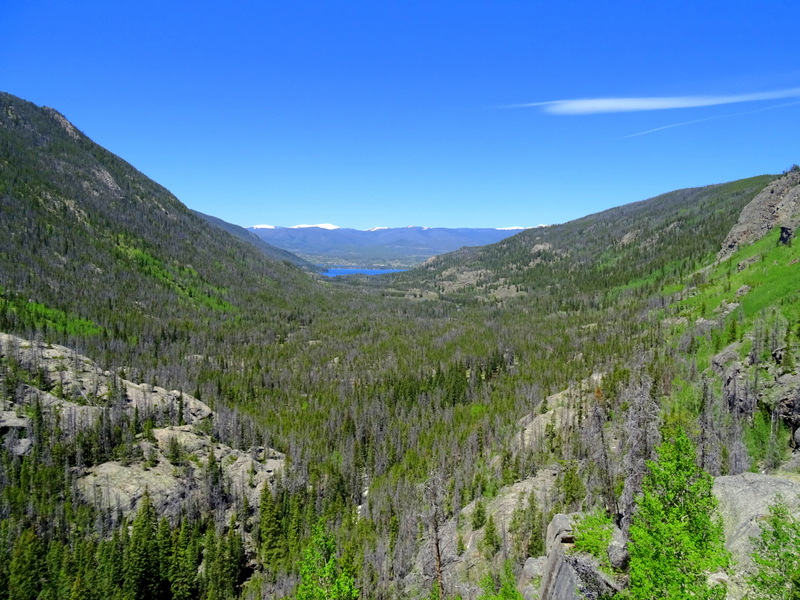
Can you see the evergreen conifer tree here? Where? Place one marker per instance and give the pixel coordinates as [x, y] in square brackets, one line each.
[182, 566]
[26, 567]
[269, 530]
[676, 535]
[776, 556]
[320, 574]
[142, 571]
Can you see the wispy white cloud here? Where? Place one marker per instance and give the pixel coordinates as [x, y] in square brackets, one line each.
[749, 112]
[612, 105]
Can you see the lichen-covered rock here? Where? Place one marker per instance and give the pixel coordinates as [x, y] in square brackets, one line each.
[531, 576]
[171, 463]
[728, 355]
[176, 483]
[575, 576]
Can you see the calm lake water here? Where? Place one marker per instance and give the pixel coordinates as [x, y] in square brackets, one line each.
[356, 270]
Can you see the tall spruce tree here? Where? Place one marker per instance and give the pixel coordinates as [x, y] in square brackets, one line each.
[776, 556]
[321, 576]
[676, 536]
[26, 568]
[270, 534]
[142, 569]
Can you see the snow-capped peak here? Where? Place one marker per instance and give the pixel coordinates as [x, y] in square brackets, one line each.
[263, 227]
[377, 228]
[320, 226]
[510, 228]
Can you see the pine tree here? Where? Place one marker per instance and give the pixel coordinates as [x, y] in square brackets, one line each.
[270, 534]
[26, 568]
[211, 565]
[320, 574]
[776, 556]
[183, 569]
[164, 549]
[507, 589]
[231, 560]
[491, 539]
[142, 571]
[676, 536]
[479, 515]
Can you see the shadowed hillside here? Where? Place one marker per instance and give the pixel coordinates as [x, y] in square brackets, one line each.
[100, 249]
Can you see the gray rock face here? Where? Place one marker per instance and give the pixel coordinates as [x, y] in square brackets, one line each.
[786, 396]
[777, 205]
[173, 487]
[559, 580]
[462, 571]
[82, 392]
[724, 358]
[560, 418]
[531, 576]
[81, 384]
[618, 550]
[743, 501]
[570, 576]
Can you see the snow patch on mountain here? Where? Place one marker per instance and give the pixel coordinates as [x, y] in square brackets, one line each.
[319, 226]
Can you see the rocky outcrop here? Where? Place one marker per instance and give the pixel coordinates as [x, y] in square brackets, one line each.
[537, 431]
[463, 570]
[171, 463]
[80, 388]
[175, 480]
[570, 576]
[14, 432]
[743, 501]
[559, 580]
[777, 205]
[736, 394]
[785, 396]
[776, 389]
[530, 579]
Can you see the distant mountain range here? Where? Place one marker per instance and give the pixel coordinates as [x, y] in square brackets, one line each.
[329, 245]
[251, 238]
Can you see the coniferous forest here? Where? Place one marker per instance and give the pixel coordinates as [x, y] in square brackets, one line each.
[188, 413]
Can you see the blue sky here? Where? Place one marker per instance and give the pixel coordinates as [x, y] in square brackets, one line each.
[427, 113]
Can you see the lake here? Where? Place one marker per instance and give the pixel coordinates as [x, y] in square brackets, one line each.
[335, 272]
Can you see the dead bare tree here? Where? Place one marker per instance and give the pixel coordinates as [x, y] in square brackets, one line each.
[642, 436]
[433, 493]
[595, 441]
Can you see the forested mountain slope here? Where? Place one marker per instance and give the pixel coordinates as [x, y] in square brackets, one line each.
[100, 255]
[251, 238]
[408, 409]
[659, 237]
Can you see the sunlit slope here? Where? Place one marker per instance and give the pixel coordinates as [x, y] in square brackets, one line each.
[664, 235]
